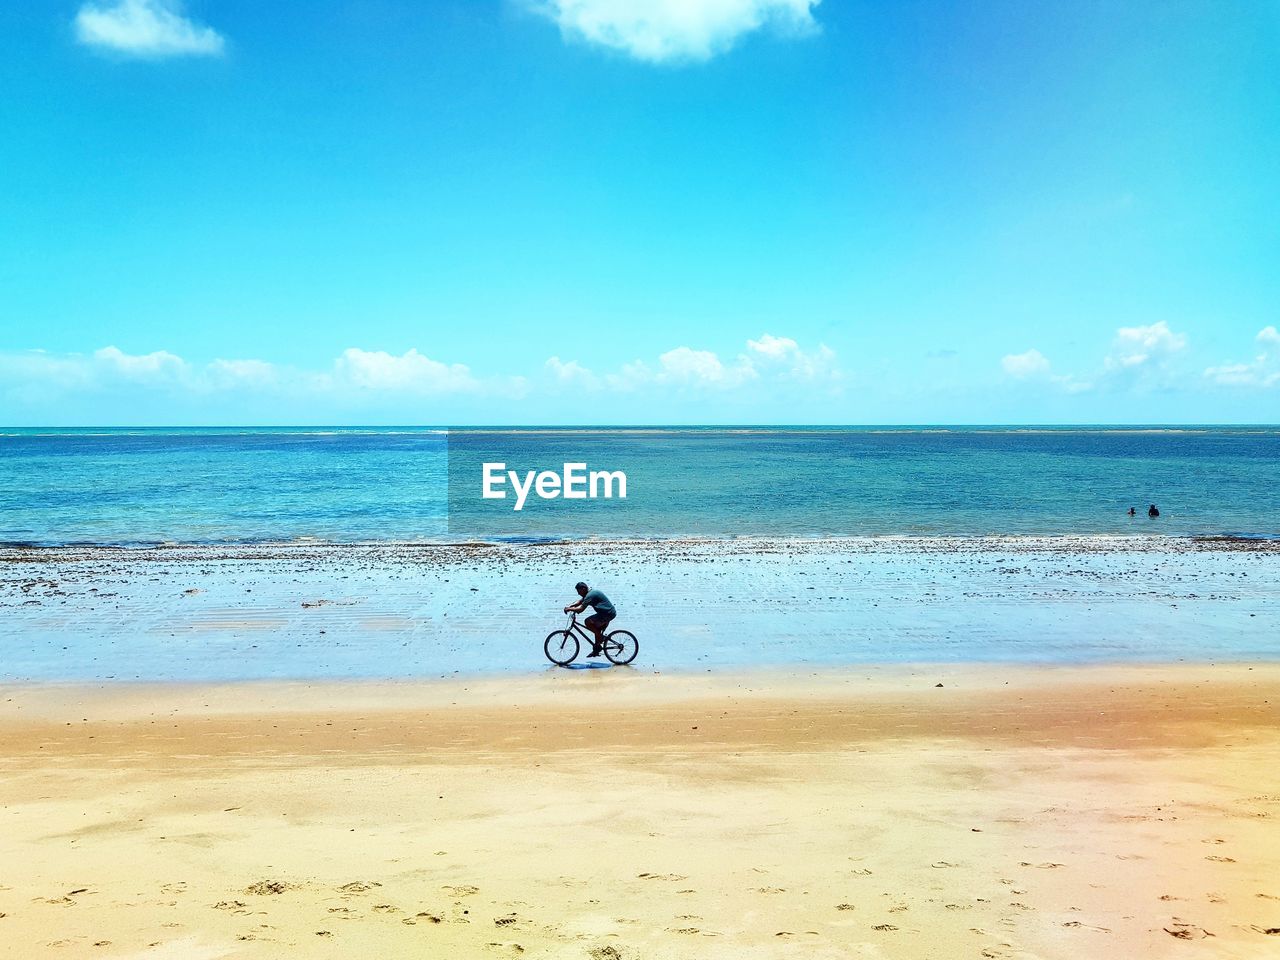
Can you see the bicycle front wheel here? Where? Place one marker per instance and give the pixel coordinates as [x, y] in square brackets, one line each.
[621, 647]
[561, 647]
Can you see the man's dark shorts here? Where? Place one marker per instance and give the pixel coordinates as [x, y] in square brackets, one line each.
[598, 621]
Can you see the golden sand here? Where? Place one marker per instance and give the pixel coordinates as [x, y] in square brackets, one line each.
[1012, 812]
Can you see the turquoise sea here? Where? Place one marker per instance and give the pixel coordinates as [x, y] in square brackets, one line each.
[146, 486]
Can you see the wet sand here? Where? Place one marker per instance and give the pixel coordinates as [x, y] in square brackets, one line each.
[402, 610]
[1012, 812]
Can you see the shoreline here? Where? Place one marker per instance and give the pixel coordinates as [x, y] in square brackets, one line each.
[252, 549]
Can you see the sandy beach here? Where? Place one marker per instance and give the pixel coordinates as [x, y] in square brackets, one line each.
[907, 748]
[1012, 812]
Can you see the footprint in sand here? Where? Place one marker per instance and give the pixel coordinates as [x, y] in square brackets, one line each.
[884, 927]
[506, 947]
[264, 888]
[1186, 931]
[359, 886]
[1085, 926]
[461, 890]
[1221, 859]
[1041, 866]
[660, 876]
[606, 952]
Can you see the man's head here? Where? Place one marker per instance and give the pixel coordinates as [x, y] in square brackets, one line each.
[581, 588]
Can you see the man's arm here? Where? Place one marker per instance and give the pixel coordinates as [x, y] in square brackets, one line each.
[575, 607]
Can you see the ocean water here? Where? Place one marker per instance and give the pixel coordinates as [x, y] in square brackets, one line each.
[146, 486]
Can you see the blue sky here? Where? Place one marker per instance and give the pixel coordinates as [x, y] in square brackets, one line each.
[375, 211]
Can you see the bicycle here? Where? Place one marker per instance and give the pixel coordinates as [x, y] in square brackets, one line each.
[562, 646]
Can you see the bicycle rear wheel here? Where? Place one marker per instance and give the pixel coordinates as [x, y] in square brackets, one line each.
[621, 647]
[561, 647]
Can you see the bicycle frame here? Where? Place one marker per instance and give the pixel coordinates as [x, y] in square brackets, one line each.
[579, 629]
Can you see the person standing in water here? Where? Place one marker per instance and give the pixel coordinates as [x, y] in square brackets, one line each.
[1152, 511]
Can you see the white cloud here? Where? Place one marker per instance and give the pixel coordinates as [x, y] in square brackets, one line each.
[39, 366]
[355, 372]
[1034, 365]
[411, 371]
[571, 373]
[779, 359]
[241, 373]
[679, 367]
[160, 365]
[771, 353]
[146, 28]
[674, 30]
[684, 365]
[630, 376]
[1263, 371]
[1138, 346]
[1024, 365]
[775, 348]
[1242, 374]
[358, 378]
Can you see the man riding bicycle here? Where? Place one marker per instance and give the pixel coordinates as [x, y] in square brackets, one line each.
[604, 612]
